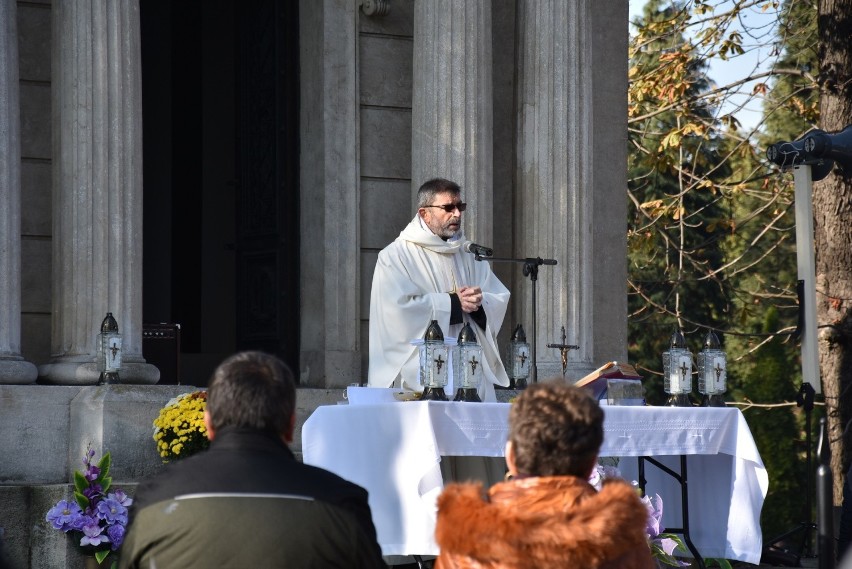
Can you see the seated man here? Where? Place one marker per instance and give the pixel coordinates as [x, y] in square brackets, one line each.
[247, 502]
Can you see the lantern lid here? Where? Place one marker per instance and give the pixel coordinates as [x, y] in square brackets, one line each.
[677, 340]
[109, 324]
[467, 335]
[711, 341]
[433, 332]
[518, 335]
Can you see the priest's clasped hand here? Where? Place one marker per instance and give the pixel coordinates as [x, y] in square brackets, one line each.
[470, 297]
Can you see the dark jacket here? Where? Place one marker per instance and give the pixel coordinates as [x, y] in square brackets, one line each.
[531, 523]
[247, 502]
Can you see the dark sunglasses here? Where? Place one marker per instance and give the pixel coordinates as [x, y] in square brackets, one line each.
[450, 207]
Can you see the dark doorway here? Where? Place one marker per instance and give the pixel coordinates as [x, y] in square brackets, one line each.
[221, 184]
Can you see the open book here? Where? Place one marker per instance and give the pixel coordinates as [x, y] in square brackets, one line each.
[596, 381]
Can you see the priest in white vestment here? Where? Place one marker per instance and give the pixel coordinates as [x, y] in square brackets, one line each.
[425, 275]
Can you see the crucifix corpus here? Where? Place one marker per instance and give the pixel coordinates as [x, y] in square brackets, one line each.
[563, 350]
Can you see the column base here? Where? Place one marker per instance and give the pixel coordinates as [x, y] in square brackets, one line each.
[87, 373]
[17, 371]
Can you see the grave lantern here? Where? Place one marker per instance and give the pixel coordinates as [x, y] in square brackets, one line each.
[434, 364]
[109, 350]
[467, 365]
[712, 372]
[519, 358]
[677, 371]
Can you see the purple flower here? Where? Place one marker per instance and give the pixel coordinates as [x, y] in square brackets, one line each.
[668, 545]
[93, 535]
[655, 515]
[120, 497]
[92, 473]
[116, 535]
[64, 514]
[602, 473]
[93, 491]
[102, 522]
[112, 511]
[85, 520]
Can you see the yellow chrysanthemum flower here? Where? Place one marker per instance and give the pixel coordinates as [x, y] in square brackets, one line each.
[179, 428]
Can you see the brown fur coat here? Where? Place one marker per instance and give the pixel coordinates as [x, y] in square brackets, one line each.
[542, 523]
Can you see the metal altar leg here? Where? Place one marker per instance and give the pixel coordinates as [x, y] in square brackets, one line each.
[684, 500]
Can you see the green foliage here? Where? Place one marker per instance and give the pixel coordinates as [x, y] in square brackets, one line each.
[104, 479]
[80, 484]
[792, 102]
[711, 241]
[677, 216]
[777, 434]
[660, 555]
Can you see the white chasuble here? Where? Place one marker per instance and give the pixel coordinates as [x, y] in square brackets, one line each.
[413, 277]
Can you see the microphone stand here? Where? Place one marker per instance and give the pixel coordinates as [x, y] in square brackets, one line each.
[531, 265]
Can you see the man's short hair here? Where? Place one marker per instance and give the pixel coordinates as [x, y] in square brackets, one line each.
[252, 389]
[556, 430]
[431, 188]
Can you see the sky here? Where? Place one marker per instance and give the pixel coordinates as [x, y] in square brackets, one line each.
[723, 72]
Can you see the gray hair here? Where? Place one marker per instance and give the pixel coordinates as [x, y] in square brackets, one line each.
[427, 192]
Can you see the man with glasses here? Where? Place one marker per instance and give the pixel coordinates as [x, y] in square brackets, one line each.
[426, 275]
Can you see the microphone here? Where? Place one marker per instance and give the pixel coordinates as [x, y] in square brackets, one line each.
[479, 250]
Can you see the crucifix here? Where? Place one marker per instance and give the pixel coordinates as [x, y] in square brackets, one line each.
[440, 362]
[563, 350]
[683, 369]
[718, 369]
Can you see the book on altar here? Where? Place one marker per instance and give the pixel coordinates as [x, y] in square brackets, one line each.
[597, 381]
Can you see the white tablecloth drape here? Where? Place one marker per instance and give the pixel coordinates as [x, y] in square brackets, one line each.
[394, 450]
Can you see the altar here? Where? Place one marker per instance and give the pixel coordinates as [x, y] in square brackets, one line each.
[394, 451]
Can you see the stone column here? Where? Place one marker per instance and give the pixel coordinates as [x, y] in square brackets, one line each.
[13, 368]
[330, 354]
[571, 178]
[452, 104]
[97, 188]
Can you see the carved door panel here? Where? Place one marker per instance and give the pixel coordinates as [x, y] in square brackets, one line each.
[267, 209]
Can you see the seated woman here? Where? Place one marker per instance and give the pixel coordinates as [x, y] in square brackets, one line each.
[546, 514]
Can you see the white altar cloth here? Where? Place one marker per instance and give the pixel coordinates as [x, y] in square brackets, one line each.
[399, 467]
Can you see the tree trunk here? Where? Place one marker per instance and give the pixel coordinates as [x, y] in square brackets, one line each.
[832, 200]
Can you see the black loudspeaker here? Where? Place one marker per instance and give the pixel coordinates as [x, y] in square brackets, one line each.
[789, 154]
[835, 146]
[161, 347]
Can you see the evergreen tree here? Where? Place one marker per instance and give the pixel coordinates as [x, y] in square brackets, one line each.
[711, 227]
[792, 103]
[776, 434]
[673, 229]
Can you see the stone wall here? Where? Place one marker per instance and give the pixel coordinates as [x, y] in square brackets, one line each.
[46, 430]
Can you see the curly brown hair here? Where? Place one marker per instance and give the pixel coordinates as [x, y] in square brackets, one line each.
[555, 430]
